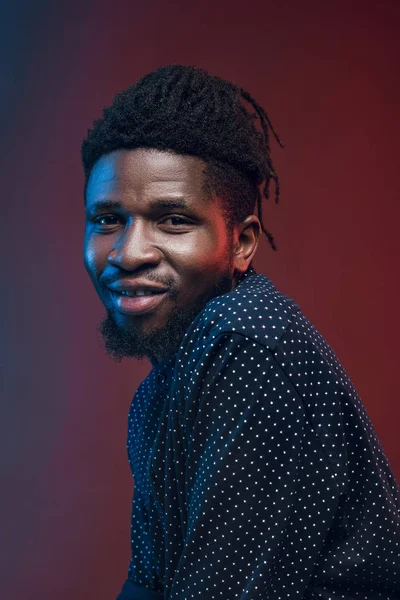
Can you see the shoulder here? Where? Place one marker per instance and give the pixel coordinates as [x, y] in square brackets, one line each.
[257, 337]
[255, 310]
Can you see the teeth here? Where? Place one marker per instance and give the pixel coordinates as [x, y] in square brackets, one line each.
[137, 293]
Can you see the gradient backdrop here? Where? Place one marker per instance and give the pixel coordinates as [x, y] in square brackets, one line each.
[328, 74]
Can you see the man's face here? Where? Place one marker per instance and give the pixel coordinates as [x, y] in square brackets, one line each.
[149, 218]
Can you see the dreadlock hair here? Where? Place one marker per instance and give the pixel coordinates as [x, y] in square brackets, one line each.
[186, 110]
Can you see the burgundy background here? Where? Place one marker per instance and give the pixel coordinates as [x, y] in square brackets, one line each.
[327, 73]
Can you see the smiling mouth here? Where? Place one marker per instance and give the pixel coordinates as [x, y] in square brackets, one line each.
[137, 304]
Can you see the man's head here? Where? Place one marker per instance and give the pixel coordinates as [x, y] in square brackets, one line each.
[172, 178]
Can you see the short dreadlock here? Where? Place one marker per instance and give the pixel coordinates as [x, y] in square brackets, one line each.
[187, 110]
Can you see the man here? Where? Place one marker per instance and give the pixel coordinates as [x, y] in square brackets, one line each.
[257, 472]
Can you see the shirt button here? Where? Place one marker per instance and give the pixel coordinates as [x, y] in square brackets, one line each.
[160, 378]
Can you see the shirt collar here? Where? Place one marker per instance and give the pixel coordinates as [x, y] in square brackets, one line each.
[166, 365]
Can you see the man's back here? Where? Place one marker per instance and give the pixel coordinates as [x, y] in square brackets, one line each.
[258, 473]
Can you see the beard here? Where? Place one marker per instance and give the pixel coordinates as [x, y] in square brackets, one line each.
[160, 343]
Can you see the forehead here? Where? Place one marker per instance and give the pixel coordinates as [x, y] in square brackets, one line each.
[146, 172]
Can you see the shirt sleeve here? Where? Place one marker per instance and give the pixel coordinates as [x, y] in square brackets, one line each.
[141, 563]
[131, 591]
[260, 491]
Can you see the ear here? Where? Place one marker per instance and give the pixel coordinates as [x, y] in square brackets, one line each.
[246, 238]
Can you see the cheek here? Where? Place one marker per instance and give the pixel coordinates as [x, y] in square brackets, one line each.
[94, 258]
[200, 263]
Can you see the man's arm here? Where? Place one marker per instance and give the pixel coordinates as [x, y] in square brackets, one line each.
[141, 561]
[131, 591]
[261, 494]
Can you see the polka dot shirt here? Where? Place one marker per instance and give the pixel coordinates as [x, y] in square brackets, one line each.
[257, 472]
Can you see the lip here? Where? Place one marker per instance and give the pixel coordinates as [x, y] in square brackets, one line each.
[140, 305]
[137, 284]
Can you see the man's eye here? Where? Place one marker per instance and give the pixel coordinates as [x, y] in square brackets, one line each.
[110, 220]
[104, 218]
[178, 220]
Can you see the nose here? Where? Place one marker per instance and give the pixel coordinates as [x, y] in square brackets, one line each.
[134, 248]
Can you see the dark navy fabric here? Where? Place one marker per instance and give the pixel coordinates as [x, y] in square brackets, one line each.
[131, 590]
[257, 472]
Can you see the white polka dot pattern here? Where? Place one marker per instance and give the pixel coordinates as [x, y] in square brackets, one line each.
[258, 474]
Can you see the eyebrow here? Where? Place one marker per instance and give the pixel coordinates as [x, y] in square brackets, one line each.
[115, 204]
